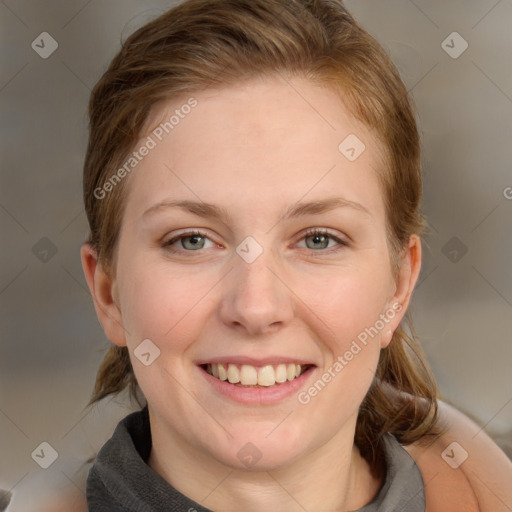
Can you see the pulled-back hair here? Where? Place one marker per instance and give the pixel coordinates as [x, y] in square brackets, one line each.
[220, 43]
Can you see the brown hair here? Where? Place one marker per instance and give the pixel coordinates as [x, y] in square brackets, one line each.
[203, 43]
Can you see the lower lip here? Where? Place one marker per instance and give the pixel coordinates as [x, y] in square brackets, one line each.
[261, 395]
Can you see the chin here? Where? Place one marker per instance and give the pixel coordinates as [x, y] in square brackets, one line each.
[263, 451]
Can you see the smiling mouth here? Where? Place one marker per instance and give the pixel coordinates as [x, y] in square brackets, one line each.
[246, 375]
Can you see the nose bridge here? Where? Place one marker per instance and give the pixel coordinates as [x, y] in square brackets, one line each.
[255, 279]
[256, 299]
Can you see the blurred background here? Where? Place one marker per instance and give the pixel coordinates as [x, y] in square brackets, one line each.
[454, 57]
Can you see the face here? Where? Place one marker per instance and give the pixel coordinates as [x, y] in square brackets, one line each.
[252, 246]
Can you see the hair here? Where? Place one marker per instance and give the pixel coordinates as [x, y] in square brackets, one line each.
[220, 43]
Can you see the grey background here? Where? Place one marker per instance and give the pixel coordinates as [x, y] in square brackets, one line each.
[51, 342]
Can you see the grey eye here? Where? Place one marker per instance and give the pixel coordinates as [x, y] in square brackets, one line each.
[317, 241]
[189, 242]
[192, 242]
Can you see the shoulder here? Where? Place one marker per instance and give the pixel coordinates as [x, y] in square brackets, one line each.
[463, 469]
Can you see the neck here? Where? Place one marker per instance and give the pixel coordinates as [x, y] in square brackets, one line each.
[334, 475]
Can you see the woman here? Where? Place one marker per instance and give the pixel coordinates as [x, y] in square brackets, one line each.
[252, 185]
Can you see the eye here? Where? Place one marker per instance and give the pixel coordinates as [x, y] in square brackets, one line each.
[191, 241]
[318, 239]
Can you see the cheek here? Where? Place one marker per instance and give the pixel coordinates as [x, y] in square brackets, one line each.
[170, 310]
[346, 311]
[161, 305]
[346, 303]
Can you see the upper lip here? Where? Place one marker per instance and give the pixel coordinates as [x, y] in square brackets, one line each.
[269, 360]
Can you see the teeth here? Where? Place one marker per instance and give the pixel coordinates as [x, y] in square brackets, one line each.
[233, 374]
[266, 376]
[290, 371]
[281, 373]
[223, 374]
[247, 375]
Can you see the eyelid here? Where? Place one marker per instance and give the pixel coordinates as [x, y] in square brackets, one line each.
[341, 239]
[167, 241]
[321, 230]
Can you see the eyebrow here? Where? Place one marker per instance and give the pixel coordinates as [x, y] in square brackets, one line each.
[321, 206]
[199, 208]
[207, 210]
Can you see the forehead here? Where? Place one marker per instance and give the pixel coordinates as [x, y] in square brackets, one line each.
[265, 141]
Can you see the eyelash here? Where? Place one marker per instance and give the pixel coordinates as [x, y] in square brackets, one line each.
[323, 232]
[168, 244]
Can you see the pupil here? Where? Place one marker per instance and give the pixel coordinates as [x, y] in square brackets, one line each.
[319, 241]
[193, 242]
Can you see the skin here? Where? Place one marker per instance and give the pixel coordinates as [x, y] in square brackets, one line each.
[482, 483]
[255, 150]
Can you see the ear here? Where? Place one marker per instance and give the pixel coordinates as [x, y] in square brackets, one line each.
[405, 281]
[103, 290]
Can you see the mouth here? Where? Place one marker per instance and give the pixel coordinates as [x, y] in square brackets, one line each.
[249, 376]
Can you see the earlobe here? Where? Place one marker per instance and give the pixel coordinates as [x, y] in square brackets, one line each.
[386, 338]
[102, 288]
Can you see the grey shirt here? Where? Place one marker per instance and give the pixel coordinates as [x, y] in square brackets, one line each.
[121, 480]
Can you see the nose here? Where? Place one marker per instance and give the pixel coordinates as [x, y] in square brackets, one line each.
[256, 299]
